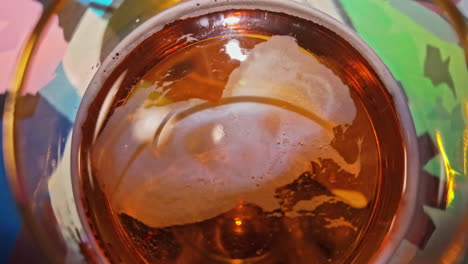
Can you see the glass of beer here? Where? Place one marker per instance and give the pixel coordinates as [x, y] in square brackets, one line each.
[236, 131]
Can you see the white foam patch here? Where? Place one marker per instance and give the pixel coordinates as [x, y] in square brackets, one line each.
[278, 68]
[211, 160]
[187, 38]
[204, 22]
[234, 51]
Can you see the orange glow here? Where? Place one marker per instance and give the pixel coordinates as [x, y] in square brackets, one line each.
[238, 221]
[449, 172]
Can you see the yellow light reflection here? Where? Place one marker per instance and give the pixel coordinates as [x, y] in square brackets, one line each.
[238, 221]
[449, 172]
[465, 142]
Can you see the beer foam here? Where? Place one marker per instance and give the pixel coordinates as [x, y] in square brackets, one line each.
[279, 68]
[208, 162]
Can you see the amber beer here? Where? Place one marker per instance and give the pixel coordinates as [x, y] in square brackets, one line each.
[241, 133]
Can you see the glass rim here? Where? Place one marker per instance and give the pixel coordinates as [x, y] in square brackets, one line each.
[401, 220]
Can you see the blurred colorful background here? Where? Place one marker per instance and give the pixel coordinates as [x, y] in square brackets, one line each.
[427, 61]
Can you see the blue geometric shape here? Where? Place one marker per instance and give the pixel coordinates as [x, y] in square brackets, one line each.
[62, 95]
[10, 220]
[98, 2]
[41, 133]
[42, 136]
